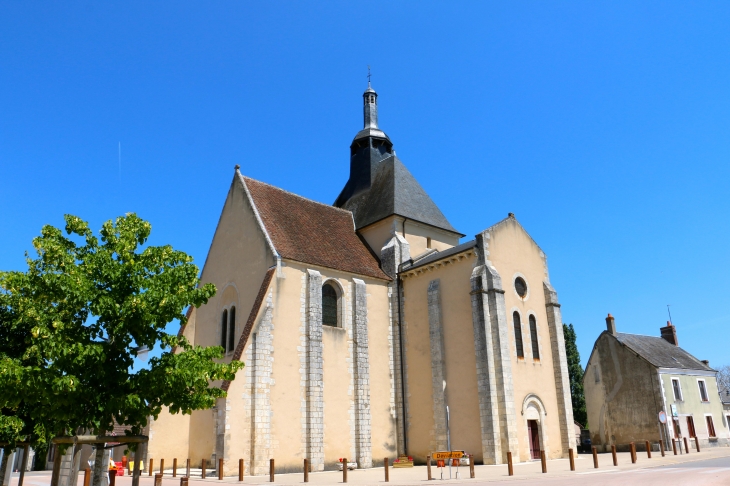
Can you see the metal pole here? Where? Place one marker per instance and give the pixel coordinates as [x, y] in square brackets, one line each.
[572, 459]
[674, 446]
[187, 467]
[661, 447]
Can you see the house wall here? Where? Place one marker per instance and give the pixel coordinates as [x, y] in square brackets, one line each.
[690, 404]
[623, 397]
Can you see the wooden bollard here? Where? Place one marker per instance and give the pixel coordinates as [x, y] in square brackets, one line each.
[428, 466]
[87, 475]
[187, 467]
[271, 470]
[151, 463]
[632, 450]
[595, 457]
[510, 470]
[240, 470]
[471, 466]
[184, 481]
[674, 446]
[158, 479]
[174, 467]
[306, 470]
[202, 467]
[661, 447]
[387, 472]
[686, 445]
[162, 466]
[697, 444]
[344, 469]
[572, 459]
[220, 469]
[648, 449]
[613, 453]
[112, 477]
[543, 461]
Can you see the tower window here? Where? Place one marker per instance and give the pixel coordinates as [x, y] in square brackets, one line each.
[232, 329]
[428, 242]
[224, 330]
[518, 334]
[330, 306]
[533, 337]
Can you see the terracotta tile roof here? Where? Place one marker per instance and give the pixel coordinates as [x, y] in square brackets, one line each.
[310, 232]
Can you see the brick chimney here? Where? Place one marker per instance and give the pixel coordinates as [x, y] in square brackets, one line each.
[610, 324]
[669, 333]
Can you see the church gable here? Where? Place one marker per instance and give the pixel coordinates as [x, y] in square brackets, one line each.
[310, 232]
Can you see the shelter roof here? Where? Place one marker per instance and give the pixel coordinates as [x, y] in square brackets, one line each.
[310, 232]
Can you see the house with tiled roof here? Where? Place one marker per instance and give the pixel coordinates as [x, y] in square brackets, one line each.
[369, 330]
[647, 388]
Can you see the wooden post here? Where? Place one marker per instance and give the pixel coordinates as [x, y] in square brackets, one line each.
[271, 470]
[112, 477]
[686, 445]
[220, 469]
[187, 467]
[471, 466]
[174, 467]
[158, 479]
[543, 461]
[344, 469]
[613, 453]
[202, 467]
[648, 449]
[510, 470]
[661, 447]
[387, 472]
[674, 446]
[184, 481]
[151, 463]
[162, 466]
[87, 475]
[595, 457]
[306, 470]
[572, 459]
[24, 464]
[428, 466]
[697, 445]
[240, 469]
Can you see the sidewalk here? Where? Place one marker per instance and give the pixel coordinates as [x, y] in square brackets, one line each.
[417, 475]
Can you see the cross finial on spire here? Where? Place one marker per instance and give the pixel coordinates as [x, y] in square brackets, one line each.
[368, 75]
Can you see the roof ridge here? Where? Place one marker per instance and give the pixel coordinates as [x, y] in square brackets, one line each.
[296, 195]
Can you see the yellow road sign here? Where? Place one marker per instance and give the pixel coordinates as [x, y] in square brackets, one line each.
[447, 455]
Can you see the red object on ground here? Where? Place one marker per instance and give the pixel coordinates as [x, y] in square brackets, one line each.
[440, 463]
[119, 468]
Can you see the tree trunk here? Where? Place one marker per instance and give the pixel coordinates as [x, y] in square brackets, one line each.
[99, 466]
[4, 464]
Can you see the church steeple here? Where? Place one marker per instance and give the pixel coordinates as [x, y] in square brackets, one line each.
[370, 108]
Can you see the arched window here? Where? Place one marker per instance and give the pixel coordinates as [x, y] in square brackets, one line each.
[232, 330]
[224, 328]
[518, 335]
[533, 338]
[330, 306]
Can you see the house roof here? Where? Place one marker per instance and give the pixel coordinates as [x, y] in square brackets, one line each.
[661, 353]
[310, 232]
[393, 190]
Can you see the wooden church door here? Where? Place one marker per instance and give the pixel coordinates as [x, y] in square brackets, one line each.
[534, 437]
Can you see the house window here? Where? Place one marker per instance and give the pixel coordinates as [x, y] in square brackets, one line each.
[232, 329]
[677, 389]
[727, 421]
[224, 329]
[710, 426]
[703, 391]
[518, 335]
[330, 306]
[691, 427]
[533, 337]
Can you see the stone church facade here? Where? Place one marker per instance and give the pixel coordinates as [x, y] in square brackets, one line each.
[369, 330]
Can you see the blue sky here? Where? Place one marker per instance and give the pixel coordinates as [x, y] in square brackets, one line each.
[602, 125]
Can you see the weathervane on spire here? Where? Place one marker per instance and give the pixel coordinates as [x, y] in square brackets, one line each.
[368, 75]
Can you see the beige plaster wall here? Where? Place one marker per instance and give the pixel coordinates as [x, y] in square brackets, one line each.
[378, 234]
[202, 437]
[169, 438]
[338, 379]
[514, 253]
[459, 357]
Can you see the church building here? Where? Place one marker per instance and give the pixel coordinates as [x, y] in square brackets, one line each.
[372, 328]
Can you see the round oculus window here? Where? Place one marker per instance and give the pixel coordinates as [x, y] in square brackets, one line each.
[521, 287]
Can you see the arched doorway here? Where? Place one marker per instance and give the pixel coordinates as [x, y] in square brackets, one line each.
[533, 412]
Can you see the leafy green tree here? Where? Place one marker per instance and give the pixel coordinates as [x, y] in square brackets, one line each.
[77, 317]
[575, 372]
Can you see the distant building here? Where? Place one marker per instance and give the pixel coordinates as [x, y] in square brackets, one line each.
[630, 379]
[369, 330]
